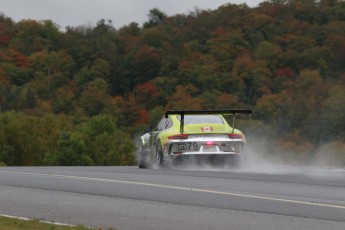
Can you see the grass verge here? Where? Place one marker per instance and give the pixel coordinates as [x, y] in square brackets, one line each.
[9, 223]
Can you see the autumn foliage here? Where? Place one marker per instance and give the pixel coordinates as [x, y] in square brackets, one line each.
[283, 59]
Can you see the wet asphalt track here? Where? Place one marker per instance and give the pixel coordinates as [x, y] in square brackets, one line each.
[132, 198]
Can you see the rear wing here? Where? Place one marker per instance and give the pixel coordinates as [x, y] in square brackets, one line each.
[232, 112]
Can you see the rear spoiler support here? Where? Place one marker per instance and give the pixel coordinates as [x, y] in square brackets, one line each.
[201, 112]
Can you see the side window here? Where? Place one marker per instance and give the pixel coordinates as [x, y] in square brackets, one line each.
[169, 124]
[164, 124]
[161, 124]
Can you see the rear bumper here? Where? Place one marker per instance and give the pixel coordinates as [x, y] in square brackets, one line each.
[203, 147]
[205, 154]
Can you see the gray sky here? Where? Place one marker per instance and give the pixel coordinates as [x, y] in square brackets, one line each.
[89, 12]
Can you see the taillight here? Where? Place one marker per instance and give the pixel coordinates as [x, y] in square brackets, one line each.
[178, 137]
[234, 136]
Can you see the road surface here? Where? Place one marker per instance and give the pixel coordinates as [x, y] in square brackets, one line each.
[132, 198]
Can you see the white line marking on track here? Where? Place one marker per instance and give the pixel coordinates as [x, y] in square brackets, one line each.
[180, 188]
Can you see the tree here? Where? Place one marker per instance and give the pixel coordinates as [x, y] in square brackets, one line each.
[94, 97]
[64, 101]
[33, 36]
[268, 52]
[127, 112]
[105, 143]
[27, 139]
[53, 69]
[333, 115]
[16, 75]
[283, 78]
[225, 101]
[252, 76]
[6, 30]
[147, 95]
[183, 99]
[71, 150]
[146, 64]
[274, 109]
[156, 16]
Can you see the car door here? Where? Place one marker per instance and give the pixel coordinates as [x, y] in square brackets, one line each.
[155, 132]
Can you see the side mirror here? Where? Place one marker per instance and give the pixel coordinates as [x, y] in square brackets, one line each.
[148, 129]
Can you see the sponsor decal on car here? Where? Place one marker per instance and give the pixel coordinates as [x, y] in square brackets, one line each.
[207, 129]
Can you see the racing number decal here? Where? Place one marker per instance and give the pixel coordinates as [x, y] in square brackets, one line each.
[188, 146]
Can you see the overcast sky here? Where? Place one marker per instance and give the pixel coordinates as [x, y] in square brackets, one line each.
[89, 12]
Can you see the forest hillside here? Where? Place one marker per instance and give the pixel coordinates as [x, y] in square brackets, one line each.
[81, 96]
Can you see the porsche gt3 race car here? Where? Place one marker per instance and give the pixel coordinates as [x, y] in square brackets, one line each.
[192, 136]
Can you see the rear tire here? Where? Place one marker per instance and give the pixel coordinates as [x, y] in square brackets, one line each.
[141, 158]
[159, 155]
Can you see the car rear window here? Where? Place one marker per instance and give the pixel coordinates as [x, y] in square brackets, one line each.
[201, 119]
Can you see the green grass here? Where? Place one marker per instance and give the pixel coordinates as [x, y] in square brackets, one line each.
[7, 223]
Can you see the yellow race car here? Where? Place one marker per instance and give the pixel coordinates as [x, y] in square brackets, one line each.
[200, 135]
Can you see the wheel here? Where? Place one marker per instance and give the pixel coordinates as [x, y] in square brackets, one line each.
[141, 158]
[159, 155]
